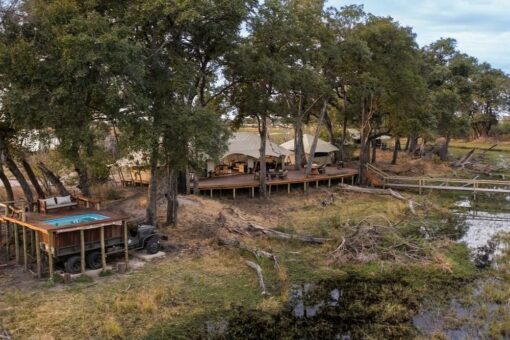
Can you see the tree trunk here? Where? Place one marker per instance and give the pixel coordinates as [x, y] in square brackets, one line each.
[33, 179]
[299, 149]
[374, 152]
[344, 125]
[395, 150]
[329, 128]
[171, 197]
[81, 169]
[413, 144]
[62, 191]
[316, 138]
[7, 185]
[262, 159]
[443, 155]
[364, 145]
[151, 211]
[13, 168]
[406, 148]
[344, 136]
[83, 177]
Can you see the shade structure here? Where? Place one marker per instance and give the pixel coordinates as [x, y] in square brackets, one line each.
[322, 146]
[248, 144]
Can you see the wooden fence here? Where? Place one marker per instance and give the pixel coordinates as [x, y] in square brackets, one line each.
[437, 183]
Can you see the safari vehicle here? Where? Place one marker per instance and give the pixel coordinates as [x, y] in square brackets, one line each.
[67, 245]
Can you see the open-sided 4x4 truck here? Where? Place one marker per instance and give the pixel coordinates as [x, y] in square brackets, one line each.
[67, 246]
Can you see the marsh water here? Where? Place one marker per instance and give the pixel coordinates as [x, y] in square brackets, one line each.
[385, 305]
[459, 318]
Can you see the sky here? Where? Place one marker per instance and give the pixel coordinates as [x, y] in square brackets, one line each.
[481, 27]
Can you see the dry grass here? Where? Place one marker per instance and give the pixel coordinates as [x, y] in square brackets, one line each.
[133, 305]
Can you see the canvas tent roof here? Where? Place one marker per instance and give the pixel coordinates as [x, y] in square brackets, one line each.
[133, 159]
[322, 146]
[247, 143]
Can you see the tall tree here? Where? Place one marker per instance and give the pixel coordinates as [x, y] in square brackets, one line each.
[259, 68]
[183, 44]
[390, 74]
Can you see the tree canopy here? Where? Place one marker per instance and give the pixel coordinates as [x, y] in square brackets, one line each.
[170, 79]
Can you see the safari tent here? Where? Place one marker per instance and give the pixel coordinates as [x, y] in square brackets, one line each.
[323, 152]
[243, 154]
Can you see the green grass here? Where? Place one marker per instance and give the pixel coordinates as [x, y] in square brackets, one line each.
[501, 146]
[175, 297]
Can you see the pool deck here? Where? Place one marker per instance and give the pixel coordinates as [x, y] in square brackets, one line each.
[233, 182]
[36, 221]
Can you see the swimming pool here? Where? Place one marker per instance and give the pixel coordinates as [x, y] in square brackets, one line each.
[76, 219]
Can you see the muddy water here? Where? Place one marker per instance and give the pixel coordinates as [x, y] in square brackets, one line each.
[381, 306]
[460, 319]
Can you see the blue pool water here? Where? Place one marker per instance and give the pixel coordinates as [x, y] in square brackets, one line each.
[76, 219]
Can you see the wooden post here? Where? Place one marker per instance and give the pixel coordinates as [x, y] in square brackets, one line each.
[25, 248]
[37, 255]
[211, 193]
[317, 184]
[352, 180]
[8, 240]
[420, 185]
[342, 180]
[126, 244]
[32, 242]
[329, 182]
[50, 254]
[16, 242]
[269, 190]
[252, 192]
[82, 250]
[103, 249]
[304, 186]
[288, 188]
[234, 192]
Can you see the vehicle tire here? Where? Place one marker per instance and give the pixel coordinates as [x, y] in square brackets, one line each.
[152, 246]
[73, 265]
[94, 260]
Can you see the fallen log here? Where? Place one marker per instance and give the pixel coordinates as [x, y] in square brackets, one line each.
[255, 251]
[285, 236]
[258, 270]
[464, 160]
[390, 192]
[489, 149]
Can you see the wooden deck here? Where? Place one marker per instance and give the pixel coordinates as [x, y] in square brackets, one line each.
[234, 182]
[33, 235]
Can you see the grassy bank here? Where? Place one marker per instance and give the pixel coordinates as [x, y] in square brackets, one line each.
[177, 296]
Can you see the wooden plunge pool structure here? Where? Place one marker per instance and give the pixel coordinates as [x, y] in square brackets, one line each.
[294, 177]
[35, 238]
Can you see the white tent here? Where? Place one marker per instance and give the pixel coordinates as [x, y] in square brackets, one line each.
[323, 149]
[322, 146]
[133, 159]
[244, 147]
[248, 144]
